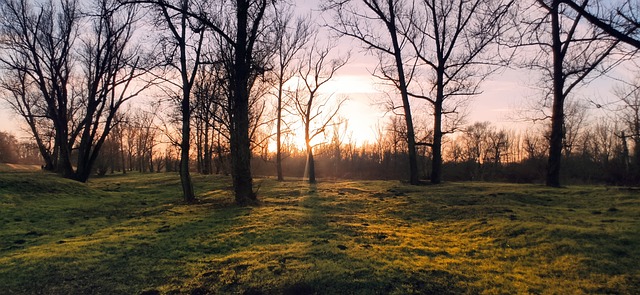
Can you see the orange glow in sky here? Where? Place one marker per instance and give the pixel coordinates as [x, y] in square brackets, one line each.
[502, 93]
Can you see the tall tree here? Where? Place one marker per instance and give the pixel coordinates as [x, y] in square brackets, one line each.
[208, 94]
[76, 101]
[36, 47]
[187, 36]
[456, 41]
[111, 62]
[377, 24]
[243, 68]
[241, 29]
[316, 69]
[290, 38]
[571, 52]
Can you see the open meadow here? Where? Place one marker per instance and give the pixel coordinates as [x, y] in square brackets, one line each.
[132, 234]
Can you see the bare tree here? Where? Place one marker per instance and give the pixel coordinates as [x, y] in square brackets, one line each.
[146, 138]
[208, 114]
[36, 67]
[129, 138]
[621, 21]
[111, 62]
[289, 41]
[498, 145]
[8, 148]
[476, 146]
[629, 114]
[533, 145]
[455, 40]
[379, 26]
[39, 46]
[574, 122]
[239, 27]
[571, 53]
[316, 69]
[186, 37]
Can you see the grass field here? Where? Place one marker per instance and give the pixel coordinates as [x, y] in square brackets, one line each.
[131, 234]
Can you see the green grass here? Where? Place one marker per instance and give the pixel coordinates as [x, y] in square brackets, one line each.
[131, 234]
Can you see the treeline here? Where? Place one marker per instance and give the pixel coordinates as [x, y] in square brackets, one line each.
[17, 151]
[598, 154]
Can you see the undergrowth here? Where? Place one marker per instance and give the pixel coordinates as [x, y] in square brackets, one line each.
[132, 234]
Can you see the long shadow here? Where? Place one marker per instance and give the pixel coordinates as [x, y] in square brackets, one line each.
[302, 240]
[345, 260]
[113, 247]
[547, 225]
[156, 253]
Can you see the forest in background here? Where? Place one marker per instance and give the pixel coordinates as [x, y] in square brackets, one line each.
[481, 152]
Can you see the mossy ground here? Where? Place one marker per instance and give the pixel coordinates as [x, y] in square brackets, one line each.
[131, 234]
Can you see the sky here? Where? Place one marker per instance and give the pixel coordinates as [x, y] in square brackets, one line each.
[363, 110]
[502, 94]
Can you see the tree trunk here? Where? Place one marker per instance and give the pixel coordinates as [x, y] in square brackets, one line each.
[557, 117]
[185, 176]
[279, 134]
[122, 157]
[83, 166]
[240, 143]
[436, 165]
[63, 161]
[311, 166]
[555, 143]
[199, 150]
[636, 159]
[411, 141]
[241, 161]
[207, 150]
[44, 152]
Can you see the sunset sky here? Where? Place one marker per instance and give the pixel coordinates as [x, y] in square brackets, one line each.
[502, 94]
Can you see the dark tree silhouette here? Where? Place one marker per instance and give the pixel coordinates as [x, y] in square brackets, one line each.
[315, 71]
[621, 21]
[243, 34]
[571, 52]
[378, 25]
[291, 37]
[186, 38]
[69, 86]
[456, 41]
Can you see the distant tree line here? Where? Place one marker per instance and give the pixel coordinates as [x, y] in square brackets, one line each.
[598, 153]
[17, 151]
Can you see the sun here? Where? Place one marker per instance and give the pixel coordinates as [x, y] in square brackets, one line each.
[359, 118]
[294, 138]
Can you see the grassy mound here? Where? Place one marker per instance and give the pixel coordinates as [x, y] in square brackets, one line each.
[132, 235]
